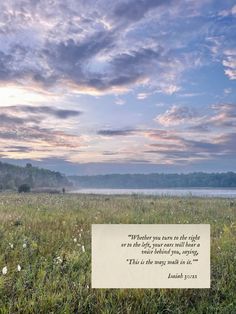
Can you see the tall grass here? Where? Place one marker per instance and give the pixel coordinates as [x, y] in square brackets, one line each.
[48, 236]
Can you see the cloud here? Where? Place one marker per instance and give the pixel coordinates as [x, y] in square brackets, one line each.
[73, 62]
[37, 111]
[229, 63]
[227, 143]
[202, 127]
[189, 149]
[136, 160]
[142, 96]
[162, 135]
[37, 142]
[107, 153]
[227, 91]
[231, 11]
[39, 136]
[89, 47]
[170, 145]
[18, 149]
[177, 115]
[221, 117]
[7, 119]
[58, 113]
[225, 115]
[67, 59]
[33, 132]
[116, 132]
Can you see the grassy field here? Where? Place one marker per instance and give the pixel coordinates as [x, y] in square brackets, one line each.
[45, 254]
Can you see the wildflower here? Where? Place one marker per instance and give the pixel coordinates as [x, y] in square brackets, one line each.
[4, 270]
[58, 260]
[11, 245]
[83, 248]
[24, 245]
[18, 267]
[75, 240]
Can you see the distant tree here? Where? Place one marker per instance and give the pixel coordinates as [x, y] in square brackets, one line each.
[24, 188]
[28, 165]
[63, 190]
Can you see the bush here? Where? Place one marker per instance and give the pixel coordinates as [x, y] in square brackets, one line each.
[25, 188]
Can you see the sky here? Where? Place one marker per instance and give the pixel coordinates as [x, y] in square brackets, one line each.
[135, 86]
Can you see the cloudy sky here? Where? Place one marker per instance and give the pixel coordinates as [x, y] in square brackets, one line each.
[98, 86]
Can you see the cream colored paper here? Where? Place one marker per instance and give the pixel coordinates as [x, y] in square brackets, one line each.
[150, 256]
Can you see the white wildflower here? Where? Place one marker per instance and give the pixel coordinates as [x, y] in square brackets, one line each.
[4, 270]
[58, 260]
[75, 240]
[11, 245]
[83, 248]
[18, 267]
[24, 245]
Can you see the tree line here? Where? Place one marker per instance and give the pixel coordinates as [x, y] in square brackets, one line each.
[155, 180]
[12, 177]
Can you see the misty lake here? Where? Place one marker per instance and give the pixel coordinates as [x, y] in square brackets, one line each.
[198, 192]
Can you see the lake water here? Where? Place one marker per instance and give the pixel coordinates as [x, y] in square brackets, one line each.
[229, 193]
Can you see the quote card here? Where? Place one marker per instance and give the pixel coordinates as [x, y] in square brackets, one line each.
[150, 256]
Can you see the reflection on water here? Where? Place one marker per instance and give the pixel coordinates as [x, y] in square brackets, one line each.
[163, 192]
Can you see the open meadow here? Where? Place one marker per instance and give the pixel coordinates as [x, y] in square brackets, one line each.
[45, 258]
